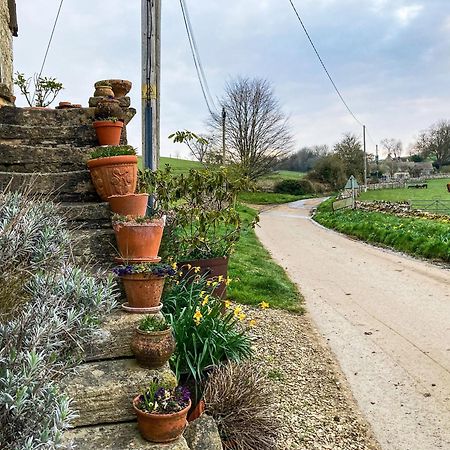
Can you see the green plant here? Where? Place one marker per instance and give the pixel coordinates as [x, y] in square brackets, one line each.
[152, 323]
[239, 396]
[294, 187]
[160, 270]
[107, 119]
[45, 89]
[205, 335]
[106, 151]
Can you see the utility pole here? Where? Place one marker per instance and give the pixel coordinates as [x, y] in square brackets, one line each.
[377, 160]
[151, 74]
[224, 116]
[365, 157]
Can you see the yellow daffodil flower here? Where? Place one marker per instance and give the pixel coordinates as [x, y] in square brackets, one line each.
[228, 281]
[237, 311]
[189, 267]
[197, 269]
[252, 323]
[202, 294]
[241, 316]
[227, 304]
[198, 317]
[174, 266]
[205, 300]
[264, 305]
[208, 283]
[220, 278]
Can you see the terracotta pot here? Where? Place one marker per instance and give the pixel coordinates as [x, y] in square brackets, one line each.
[161, 428]
[143, 290]
[196, 411]
[108, 132]
[139, 242]
[153, 349]
[108, 107]
[103, 91]
[212, 268]
[134, 205]
[448, 187]
[114, 175]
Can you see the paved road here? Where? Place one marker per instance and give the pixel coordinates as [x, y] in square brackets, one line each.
[386, 318]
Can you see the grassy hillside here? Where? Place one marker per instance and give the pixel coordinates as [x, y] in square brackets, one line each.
[179, 165]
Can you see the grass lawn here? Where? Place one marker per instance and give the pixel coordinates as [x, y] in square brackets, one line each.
[284, 175]
[437, 189]
[418, 237]
[269, 198]
[260, 277]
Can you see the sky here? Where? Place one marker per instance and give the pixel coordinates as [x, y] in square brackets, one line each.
[389, 58]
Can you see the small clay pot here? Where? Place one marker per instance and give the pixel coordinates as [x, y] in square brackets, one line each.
[133, 205]
[153, 349]
[143, 290]
[139, 242]
[161, 428]
[119, 87]
[114, 175]
[196, 411]
[108, 132]
[103, 91]
[108, 107]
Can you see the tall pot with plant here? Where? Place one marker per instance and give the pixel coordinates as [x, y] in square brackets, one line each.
[161, 412]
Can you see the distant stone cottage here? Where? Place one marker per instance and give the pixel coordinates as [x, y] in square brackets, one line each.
[8, 29]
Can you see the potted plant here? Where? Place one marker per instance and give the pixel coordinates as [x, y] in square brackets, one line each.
[108, 130]
[46, 90]
[206, 225]
[113, 170]
[138, 239]
[143, 284]
[161, 412]
[153, 342]
[132, 205]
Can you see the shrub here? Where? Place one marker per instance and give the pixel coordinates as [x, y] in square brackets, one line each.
[294, 187]
[330, 170]
[239, 397]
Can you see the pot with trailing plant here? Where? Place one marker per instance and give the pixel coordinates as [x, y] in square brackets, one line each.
[139, 238]
[113, 170]
[143, 284]
[206, 224]
[161, 412]
[153, 343]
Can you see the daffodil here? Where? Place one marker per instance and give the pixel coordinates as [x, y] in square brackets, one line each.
[202, 294]
[237, 311]
[174, 266]
[205, 300]
[198, 317]
[189, 267]
[228, 281]
[264, 305]
[208, 283]
[227, 304]
[252, 323]
[241, 316]
[220, 278]
[197, 269]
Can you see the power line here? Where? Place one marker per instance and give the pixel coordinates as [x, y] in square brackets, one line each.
[323, 64]
[196, 57]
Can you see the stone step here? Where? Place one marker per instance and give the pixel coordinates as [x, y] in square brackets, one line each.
[95, 246]
[87, 214]
[27, 158]
[103, 391]
[113, 340]
[63, 186]
[120, 436]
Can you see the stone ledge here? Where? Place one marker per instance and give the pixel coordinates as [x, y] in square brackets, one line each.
[121, 436]
[103, 391]
[94, 246]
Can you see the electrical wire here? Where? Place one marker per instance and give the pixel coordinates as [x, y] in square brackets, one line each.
[323, 64]
[196, 57]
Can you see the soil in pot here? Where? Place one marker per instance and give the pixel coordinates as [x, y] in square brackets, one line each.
[212, 269]
[114, 175]
[161, 428]
[153, 349]
[143, 290]
[108, 132]
[133, 205]
[139, 242]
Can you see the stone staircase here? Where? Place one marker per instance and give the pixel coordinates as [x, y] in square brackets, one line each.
[45, 152]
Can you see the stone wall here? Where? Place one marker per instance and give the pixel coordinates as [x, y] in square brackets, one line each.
[6, 55]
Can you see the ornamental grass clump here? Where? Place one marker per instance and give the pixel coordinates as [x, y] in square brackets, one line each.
[55, 308]
[239, 397]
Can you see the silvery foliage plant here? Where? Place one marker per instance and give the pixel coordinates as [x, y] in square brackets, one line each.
[42, 342]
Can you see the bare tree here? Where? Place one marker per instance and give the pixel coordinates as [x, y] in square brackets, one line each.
[393, 147]
[436, 142]
[257, 131]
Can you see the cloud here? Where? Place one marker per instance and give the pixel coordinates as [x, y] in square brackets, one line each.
[406, 14]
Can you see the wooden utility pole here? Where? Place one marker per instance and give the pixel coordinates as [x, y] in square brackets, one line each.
[224, 116]
[377, 160]
[365, 156]
[151, 74]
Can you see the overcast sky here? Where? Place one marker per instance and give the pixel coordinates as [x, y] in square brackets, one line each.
[389, 58]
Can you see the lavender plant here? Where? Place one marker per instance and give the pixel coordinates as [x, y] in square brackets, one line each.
[60, 305]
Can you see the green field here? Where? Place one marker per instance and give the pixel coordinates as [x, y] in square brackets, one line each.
[284, 175]
[269, 198]
[437, 189]
[179, 165]
[257, 277]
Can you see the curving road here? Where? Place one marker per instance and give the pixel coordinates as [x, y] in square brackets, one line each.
[385, 316]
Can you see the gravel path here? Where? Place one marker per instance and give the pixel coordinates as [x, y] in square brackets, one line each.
[316, 406]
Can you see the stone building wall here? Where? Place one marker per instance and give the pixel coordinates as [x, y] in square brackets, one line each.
[6, 54]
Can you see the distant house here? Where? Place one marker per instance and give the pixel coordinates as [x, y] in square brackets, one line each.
[8, 29]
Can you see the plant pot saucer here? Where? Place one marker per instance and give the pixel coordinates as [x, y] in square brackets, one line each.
[151, 310]
[137, 260]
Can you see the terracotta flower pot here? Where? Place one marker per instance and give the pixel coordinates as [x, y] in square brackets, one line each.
[153, 349]
[161, 428]
[211, 268]
[114, 175]
[134, 205]
[139, 242]
[108, 132]
[197, 411]
[143, 290]
[103, 90]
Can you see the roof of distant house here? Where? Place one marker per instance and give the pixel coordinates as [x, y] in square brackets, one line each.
[13, 25]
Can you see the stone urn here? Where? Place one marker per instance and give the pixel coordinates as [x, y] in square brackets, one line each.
[108, 107]
[103, 91]
[119, 87]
